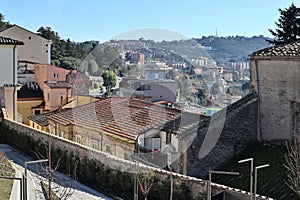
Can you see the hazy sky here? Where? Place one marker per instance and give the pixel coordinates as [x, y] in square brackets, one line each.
[105, 19]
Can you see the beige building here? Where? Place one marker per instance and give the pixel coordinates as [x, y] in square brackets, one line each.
[8, 75]
[275, 76]
[116, 125]
[36, 49]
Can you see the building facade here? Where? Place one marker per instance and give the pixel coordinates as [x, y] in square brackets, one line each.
[275, 76]
[8, 75]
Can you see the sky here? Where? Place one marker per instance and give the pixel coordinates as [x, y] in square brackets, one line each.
[103, 20]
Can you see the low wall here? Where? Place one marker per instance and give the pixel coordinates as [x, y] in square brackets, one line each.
[196, 185]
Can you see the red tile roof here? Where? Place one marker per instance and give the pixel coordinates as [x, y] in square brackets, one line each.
[123, 117]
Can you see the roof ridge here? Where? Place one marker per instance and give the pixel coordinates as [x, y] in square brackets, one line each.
[291, 49]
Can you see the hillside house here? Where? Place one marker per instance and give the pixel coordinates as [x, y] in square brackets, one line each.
[36, 49]
[275, 76]
[53, 82]
[117, 125]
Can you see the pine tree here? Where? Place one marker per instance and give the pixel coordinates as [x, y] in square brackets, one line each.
[288, 26]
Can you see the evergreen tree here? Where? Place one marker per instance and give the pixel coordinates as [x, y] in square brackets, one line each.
[109, 79]
[3, 24]
[288, 26]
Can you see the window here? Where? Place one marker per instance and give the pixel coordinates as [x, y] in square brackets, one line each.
[55, 75]
[29, 37]
[51, 129]
[108, 148]
[37, 112]
[79, 139]
[48, 97]
[62, 134]
[95, 144]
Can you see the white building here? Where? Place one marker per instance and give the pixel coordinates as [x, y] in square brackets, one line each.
[275, 76]
[36, 49]
[8, 75]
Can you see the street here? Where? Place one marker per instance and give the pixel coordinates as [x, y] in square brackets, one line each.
[80, 191]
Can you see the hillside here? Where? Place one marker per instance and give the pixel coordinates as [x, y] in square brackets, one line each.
[231, 48]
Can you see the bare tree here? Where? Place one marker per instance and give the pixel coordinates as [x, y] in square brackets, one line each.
[145, 180]
[293, 164]
[56, 184]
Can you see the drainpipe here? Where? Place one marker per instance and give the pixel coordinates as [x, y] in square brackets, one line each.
[14, 83]
[258, 102]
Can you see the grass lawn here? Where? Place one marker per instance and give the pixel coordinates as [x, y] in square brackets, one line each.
[5, 184]
[271, 180]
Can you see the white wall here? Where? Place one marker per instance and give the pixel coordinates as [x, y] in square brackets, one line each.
[6, 65]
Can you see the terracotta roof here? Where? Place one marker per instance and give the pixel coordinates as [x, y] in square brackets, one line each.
[9, 41]
[123, 117]
[284, 50]
[41, 119]
[58, 84]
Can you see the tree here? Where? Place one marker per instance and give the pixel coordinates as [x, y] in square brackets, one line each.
[56, 158]
[202, 96]
[3, 24]
[145, 180]
[293, 165]
[109, 79]
[171, 74]
[288, 26]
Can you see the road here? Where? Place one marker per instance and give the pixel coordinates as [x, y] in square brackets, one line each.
[80, 191]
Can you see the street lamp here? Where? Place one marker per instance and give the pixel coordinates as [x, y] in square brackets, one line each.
[251, 173]
[216, 172]
[25, 174]
[255, 177]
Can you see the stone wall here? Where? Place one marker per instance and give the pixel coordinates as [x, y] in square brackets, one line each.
[278, 87]
[196, 185]
[220, 138]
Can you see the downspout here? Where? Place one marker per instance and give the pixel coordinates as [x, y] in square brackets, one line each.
[14, 83]
[258, 102]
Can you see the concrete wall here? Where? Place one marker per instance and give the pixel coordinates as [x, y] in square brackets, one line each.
[218, 140]
[2, 100]
[6, 66]
[278, 86]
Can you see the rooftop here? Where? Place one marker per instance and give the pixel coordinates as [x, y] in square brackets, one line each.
[29, 91]
[125, 117]
[41, 119]
[284, 50]
[57, 84]
[10, 41]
